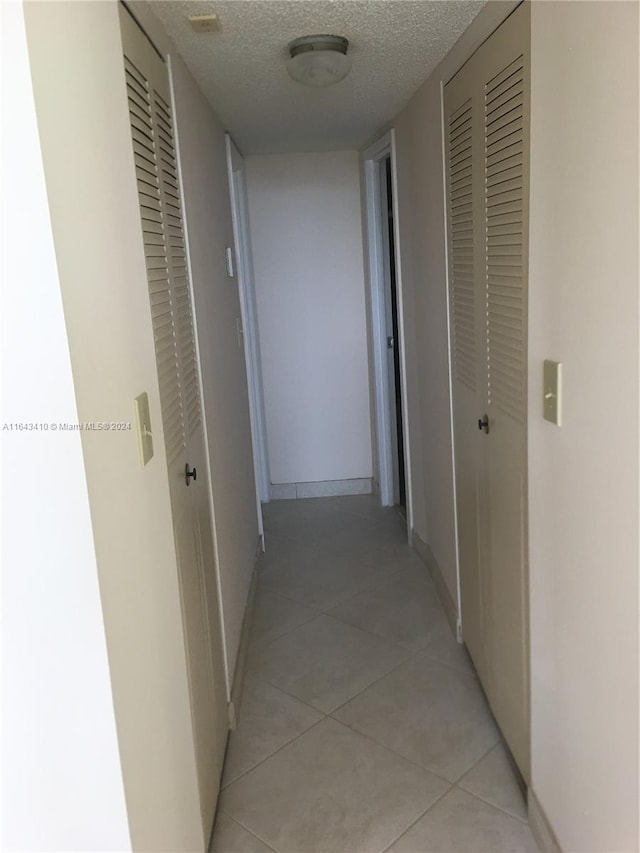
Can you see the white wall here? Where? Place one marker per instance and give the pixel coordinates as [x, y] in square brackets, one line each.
[80, 95]
[62, 780]
[583, 477]
[306, 233]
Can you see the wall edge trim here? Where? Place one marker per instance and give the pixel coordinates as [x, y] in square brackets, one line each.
[426, 555]
[241, 661]
[540, 826]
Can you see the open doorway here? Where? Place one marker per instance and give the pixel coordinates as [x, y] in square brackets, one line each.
[387, 332]
[393, 337]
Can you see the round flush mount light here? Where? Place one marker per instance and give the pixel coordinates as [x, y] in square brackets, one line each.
[319, 60]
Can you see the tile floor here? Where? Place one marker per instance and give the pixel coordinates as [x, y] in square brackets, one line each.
[363, 728]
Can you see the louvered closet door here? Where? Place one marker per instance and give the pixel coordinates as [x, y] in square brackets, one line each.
[495, 598]
[464, 185]
[163, 241]
[505, 122]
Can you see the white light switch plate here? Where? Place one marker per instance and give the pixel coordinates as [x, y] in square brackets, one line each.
[143, 428]
[552, 392]
[228, 258]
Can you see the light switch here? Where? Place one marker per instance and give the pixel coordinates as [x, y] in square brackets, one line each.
[143, 428]
[552, 392]
[228, 259]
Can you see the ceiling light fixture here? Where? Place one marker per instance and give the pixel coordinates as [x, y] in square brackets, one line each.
[319, 60]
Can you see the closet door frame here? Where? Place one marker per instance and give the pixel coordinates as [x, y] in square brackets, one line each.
[372, 157]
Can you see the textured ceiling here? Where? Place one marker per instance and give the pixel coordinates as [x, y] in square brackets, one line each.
[242, 69]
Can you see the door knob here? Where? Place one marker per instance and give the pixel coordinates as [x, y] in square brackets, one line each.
[189, 473]
[483, 424]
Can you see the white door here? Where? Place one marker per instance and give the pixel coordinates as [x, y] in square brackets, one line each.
[249, 313]
[486, 132]
[391, 336]
[170, 299]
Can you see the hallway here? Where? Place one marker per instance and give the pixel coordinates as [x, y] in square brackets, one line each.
[362, 725]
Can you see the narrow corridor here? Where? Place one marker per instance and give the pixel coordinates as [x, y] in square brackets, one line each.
[362, 727]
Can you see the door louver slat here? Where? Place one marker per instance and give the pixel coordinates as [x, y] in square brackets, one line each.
[165, 257]
[156, 257]
[504, 244]
[179, 272]
[461, 246]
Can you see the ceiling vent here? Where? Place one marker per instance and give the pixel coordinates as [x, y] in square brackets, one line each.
[205, 23]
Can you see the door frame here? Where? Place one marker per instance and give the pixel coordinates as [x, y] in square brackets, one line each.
[371, 159]
[249, 316]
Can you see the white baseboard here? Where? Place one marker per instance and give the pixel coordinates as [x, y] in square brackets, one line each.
[283, 491]
[427, 557]
[320, 489]
[540, 827]
[375, 487]
[241, 660]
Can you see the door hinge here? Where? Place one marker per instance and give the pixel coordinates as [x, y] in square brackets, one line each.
[459, 637]
[390, 342]
[231, 709]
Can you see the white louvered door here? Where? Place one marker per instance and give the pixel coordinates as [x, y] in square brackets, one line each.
[163, 239]
[464, 183]
[490, 370]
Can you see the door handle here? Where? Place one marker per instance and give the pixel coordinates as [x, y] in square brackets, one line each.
[189, 473]
[483, 424]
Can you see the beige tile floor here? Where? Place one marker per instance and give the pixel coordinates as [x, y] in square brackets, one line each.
[363, 728]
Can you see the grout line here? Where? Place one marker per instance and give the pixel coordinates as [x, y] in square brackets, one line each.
[419, 818]
[390, 749]
[397, 754]
[246, 829]
[365, 737]
[499, 742]
[409, 652]
[521, 821]
[316, 612]
[290, 695]
[254, 674]
[373, 684]
[289, 630]
[380, 577]
[475, 763]
[455, 668]
[279, 749]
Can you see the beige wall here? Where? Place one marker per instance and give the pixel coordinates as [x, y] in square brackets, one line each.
[62, 786]
[420, 206]
[583, 477]
[79, 87]
[306, 235]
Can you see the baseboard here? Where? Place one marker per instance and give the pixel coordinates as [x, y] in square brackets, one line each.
[283, 491]
[375, 487]
[320, 489]
[426, 555]
[241, 660]
[540, 827]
